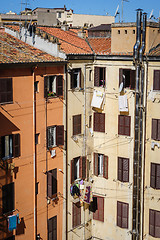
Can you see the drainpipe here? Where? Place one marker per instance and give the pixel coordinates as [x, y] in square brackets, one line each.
[84, 137]
[138, 36]
[66, 137]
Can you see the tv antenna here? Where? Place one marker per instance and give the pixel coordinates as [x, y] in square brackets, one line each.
[122, 7]
[117, 13]
[151, 15]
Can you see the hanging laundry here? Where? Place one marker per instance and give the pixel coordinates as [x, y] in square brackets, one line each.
[123, 104]
[74, 190]
[98, 99]
[12, 222]
[87, 194]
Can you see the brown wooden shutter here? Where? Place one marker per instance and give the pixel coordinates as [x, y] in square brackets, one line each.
[77, 124]
[125, 215]
[120, 168]
[59, 85]
[80, 78]
[132, 78]
[80, 167]
[49, 184]
[87, 168]
[104, 77]
[84, 167]
[16, 145]
[72, 79]
[45, 86]
[100, 201]
[158, 130]
[154, 129]
[156, 80]
[54, 181]
[120, 124]
[6, 91]
[157, 176]
[8, 203]
[102, 122]
[125, 170]
[96, 164]
[105, 167]
[153, 175]
[96, 212]
[127, 123]
[52, 228]
[59, 135]
[72, 171]
[96, 76]
[119, 214]
[96, 122]
[157, 224]
[151, 222]
[76, 214]
[120, 76]
[9, 90]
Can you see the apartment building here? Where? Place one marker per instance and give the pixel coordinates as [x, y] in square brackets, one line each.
[32, 117]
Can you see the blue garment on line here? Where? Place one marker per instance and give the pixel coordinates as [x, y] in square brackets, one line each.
[12, 222]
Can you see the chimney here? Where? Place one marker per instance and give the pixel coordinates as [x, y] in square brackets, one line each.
[82, 33]
[65, 27]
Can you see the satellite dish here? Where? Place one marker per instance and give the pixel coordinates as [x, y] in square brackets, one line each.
[121, 87]
[151, 15]
[116, 12]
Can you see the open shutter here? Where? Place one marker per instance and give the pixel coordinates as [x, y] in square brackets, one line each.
[120, 76]
[153, 175]
[157, 224]
[125, 170]
[96, 76]
[45, 86]
[49, 184]
[151, 222]
[105, 167]
[96, 122]
[132, 78]
[124, 215]
[156, 80]
[16, 145]
[59, 135]
[54, 181]
[59, 85]
[72, 171]
[154, 129]
[120, 169]
[96, 164]
[84, 167]
[157, 176]
[102, 122]
[100, 208]
[119, 214]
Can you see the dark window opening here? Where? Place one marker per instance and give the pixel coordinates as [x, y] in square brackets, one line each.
[119, 31]
[156, 80]
[52, 183]
[127, 77]
[99, 76]
[36, 89]
[8, 198]
[6, 91]
[37, 138]
[125, 31]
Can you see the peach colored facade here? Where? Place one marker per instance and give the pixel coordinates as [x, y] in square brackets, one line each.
[28, 114]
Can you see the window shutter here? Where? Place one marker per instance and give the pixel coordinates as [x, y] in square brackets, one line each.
[157, 224]
[132, 78]
[52, 228]
[157, 176]
[96, 76]
[158, 130]
[8, 198]
[125, 170]
[72, 79]
[59, 135]
[59, 85]
[96, 122]
[127, 121]
[9, 90]
[124, 215]
[93, 205]
[49, 184]
[120, 125]
[156, 80]
[80, 78]
[95, 213]
[120, 76]
[153, 175]
[154, 129]
[76, 214]
[54, 181]
[72, 171]
[102, 122]
[45, 86]
[84, 167]
[96, 164]
[151, 222]
[119, 214]
[77, 124]
[16, 145]
[100, 208]
[120, 169]
[105, 167]
[80, 167]
[87, 168]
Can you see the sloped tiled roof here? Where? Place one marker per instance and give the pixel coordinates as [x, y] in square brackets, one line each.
[155, 51]
[100, 45]
[70, 42]
[13, 50]
[102, 27]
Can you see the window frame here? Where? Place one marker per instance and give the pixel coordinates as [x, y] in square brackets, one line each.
[99, 122]
[58, 138]
[122, 127]
[121, 169]
[83, 168]
[97, 76]
[76, 83]
[6, 90]
[104, 167]
[121, 222]
[58, 86]
[13, 145]
[132, 77]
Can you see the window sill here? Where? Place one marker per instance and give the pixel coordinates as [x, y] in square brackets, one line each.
[5, 103]
[7, 158]
[77, 89]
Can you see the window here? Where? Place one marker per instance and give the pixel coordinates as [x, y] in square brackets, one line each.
[6, 92]
[90, 121]
[8, 198]
[122, 214]
[37, 138]
[127, 76]
[52, 183]
[36, 85]
[124, 123]
[55, 136]
[154, 223]
[119, 31]
[156, 80]
[77, 124]
[155, 176]
[10, 146]
[97, 207]
[99, 122]
[156, 129]
[53, 86]
[100, 165]
[134, 31]
[76, 214]
[59, 14]
[76, 78]
[52, 228]
[123, 169]
[90, 75]
[99, 76]
[125, 31]
[78, 168]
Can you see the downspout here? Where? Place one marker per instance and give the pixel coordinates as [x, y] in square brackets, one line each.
[84, 137]
[136, 132]
[46, 100]
[142, 130]
[66, 147]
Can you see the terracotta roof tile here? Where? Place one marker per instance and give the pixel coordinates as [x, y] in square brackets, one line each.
[100, 45]
[13, 50]
[155, 51]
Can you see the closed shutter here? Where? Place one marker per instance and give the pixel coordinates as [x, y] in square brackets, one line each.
[119, 214]
[100, 201]
[132, 79]
[151, 222]
[16, 145]
[96, 76]
[84, 167]
[9, 90]
[105, 167]
[96, 122]
[156, 80]
[120, 168]
[8, 198]
[45, 87]
[153, 175]
[52, 228]
[127, 120]
[59, 85]
[96, 164]
[49, 184]
[157, 176]
[77, 124]
[6, 91]
[157, 224]
[121, 125]
[72, 171]
[154, 129]
[54, 181]
[102, 122]
[120, 76]
[124, 215]
[125, 170]
[76, 214]
[59, 135]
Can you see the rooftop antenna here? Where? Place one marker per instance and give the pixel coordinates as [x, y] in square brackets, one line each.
[117, 13]
[151, 15]
[122, 7]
